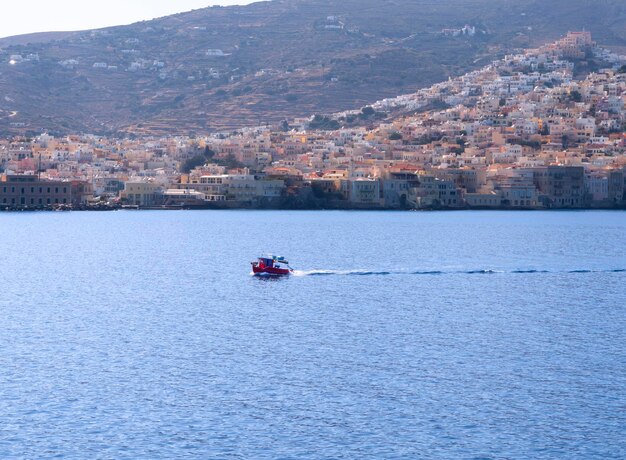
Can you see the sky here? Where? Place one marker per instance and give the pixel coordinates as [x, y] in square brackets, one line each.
[27, 16]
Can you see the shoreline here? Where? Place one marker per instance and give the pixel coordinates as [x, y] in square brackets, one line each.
[368, 209]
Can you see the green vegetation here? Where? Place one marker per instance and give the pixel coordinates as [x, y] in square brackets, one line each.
[434, 106]
[230, 162]
[199, 159]
[575, 96]
[565, 142]
[462, 143]
[208, 156]
[536, 145]
[427, 139]
[192, 163]
[367, 111]
[324, 123]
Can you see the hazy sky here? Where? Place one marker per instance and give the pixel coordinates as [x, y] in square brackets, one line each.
[26, 16]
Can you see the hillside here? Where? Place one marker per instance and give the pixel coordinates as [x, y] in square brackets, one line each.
[221, 68]
[41, 37]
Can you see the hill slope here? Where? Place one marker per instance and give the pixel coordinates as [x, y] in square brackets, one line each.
[40, 37]
[220, 68]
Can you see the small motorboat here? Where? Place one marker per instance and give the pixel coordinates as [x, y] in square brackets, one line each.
[271, 266]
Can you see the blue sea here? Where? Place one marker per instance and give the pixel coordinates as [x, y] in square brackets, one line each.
[416, 335]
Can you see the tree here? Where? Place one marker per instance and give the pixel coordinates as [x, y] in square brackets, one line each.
[461, 146]
[395, 136]
[193, 163]
[199, 159]
[368, 111]
[230, 162]
[324, 123]
[564, 141]
[576, 96]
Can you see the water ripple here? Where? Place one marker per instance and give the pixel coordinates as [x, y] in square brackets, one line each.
[303, 273]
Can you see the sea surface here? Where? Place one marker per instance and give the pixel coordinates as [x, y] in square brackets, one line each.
[416, 335]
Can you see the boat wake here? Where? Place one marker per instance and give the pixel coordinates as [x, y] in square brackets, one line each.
[342, 272]
[302, 273]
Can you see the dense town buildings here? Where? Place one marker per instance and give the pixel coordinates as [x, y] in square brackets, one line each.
[525, 132]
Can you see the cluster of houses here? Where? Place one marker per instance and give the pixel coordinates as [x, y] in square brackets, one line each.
[522, 132]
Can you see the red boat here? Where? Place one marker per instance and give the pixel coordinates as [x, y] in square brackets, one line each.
[270, 266]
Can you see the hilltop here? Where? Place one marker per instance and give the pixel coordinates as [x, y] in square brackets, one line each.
[37, 37]
[221, 68]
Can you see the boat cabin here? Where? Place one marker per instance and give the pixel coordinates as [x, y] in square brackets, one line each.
[271, 262]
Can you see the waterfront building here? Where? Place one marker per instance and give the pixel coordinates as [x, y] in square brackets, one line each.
[29, 192]
[190, 198]
[248, 188]
[560, 186]
[604, 187]
[490, 199]
[240, 188]
[396, 188]
[141, 193]
[362, 191]
[434, 192]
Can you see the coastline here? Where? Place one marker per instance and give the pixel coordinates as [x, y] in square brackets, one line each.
[313, 208]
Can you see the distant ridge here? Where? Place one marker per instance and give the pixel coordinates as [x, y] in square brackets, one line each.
[222, 68]
[38, 37]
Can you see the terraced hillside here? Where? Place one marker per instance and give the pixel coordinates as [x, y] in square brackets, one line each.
[221, 68]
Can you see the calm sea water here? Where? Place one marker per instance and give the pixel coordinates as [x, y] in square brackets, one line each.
[403, 335]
